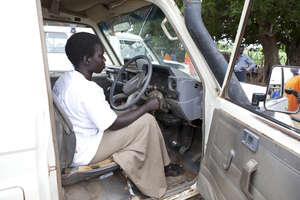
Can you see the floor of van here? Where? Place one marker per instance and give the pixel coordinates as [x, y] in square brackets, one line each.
[115, 187]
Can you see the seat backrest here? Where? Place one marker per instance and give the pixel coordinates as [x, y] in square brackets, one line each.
[65, 137]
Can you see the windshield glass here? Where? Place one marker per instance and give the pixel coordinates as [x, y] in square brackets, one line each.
[140, 33]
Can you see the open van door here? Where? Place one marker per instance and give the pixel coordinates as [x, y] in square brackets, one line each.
[242, 162]
[250, 153]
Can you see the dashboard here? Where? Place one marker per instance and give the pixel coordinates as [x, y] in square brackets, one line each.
[181, 93]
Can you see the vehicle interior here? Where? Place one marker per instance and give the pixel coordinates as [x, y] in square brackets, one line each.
[128, 85]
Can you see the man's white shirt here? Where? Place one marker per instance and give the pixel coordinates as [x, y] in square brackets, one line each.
[84, 103]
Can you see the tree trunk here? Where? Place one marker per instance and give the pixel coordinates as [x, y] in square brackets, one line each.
[270, 51]
[293, 53]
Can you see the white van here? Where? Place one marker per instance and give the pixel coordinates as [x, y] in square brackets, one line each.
[229, 148]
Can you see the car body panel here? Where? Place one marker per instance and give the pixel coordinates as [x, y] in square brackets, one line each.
[26, 147]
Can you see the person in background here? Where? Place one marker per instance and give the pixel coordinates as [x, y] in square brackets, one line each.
[173, 56]
[188, 61]
[293, 83]
[243, 63]
[275, 94]
[167, 56]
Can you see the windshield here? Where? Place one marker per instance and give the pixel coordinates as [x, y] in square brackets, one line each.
[140, 33]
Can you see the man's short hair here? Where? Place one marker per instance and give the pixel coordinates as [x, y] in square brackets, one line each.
[79, 45]
[242, 48]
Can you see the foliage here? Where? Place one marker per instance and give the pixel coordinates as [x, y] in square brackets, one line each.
[221, 18]
[288, 21]
[179, 3]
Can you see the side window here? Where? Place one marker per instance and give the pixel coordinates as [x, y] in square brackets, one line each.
[56, 35]
[269, 40]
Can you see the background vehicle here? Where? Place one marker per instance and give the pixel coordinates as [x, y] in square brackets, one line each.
[56, 38]
[242, 153]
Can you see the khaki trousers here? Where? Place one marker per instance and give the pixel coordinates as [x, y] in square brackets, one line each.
[140, 151]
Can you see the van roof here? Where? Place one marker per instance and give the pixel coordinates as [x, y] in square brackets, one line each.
[90, 9]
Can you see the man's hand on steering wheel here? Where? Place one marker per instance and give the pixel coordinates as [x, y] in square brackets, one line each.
[152, 104]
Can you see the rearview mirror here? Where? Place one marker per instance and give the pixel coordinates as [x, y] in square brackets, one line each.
[283, 93]
[122, 27]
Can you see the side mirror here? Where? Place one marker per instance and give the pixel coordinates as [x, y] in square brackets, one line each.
[257, 97]
[283, 89]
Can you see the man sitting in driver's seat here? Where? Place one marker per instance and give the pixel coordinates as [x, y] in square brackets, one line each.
[133, 139]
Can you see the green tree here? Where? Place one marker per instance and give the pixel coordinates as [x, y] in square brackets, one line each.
[288, 31]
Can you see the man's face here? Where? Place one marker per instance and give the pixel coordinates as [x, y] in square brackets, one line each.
[241, 50]
[97, 61]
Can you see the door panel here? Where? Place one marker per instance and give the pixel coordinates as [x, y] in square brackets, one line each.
[278, 170]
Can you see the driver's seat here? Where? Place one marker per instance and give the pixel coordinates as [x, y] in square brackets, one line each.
[66, 143]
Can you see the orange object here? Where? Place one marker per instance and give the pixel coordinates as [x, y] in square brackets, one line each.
[186, 58]
[167, 56]
[294, 83]
[188, 61]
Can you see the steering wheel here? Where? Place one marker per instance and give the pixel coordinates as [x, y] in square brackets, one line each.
[134, 88]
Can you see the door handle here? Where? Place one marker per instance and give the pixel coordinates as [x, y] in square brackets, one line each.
[230, 156]
[248, 170]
